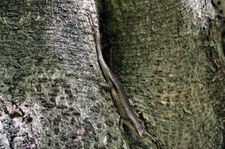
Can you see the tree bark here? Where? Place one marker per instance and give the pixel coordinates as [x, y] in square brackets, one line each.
[50, 93]
[164, 53]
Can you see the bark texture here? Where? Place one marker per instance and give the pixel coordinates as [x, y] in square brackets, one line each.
[50, 93]
[50, 96]
[164, 53]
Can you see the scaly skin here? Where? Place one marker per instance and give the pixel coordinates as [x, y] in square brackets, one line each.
[118, 93]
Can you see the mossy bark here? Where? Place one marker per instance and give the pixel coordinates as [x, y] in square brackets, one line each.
[50, 93]
[166, 63]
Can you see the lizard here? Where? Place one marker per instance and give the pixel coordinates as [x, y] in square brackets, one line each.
[118, 93]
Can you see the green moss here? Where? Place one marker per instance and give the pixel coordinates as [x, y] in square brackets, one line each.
[23, 46]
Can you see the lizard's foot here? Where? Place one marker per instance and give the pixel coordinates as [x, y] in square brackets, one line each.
[107, 86]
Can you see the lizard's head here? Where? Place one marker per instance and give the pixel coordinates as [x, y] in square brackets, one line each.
[139, 128]
[140, 132]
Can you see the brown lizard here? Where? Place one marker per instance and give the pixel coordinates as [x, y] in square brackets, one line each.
[120, 98]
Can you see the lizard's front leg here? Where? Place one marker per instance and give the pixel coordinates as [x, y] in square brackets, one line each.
[108, 86]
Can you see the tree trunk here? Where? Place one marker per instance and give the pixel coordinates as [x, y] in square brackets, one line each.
[50, 93]
[169, 58]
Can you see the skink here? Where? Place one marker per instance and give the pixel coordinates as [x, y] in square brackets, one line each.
[120, 98]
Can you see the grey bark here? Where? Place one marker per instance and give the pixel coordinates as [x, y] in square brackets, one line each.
[49, 86]
[50, 93]
[164, 53]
